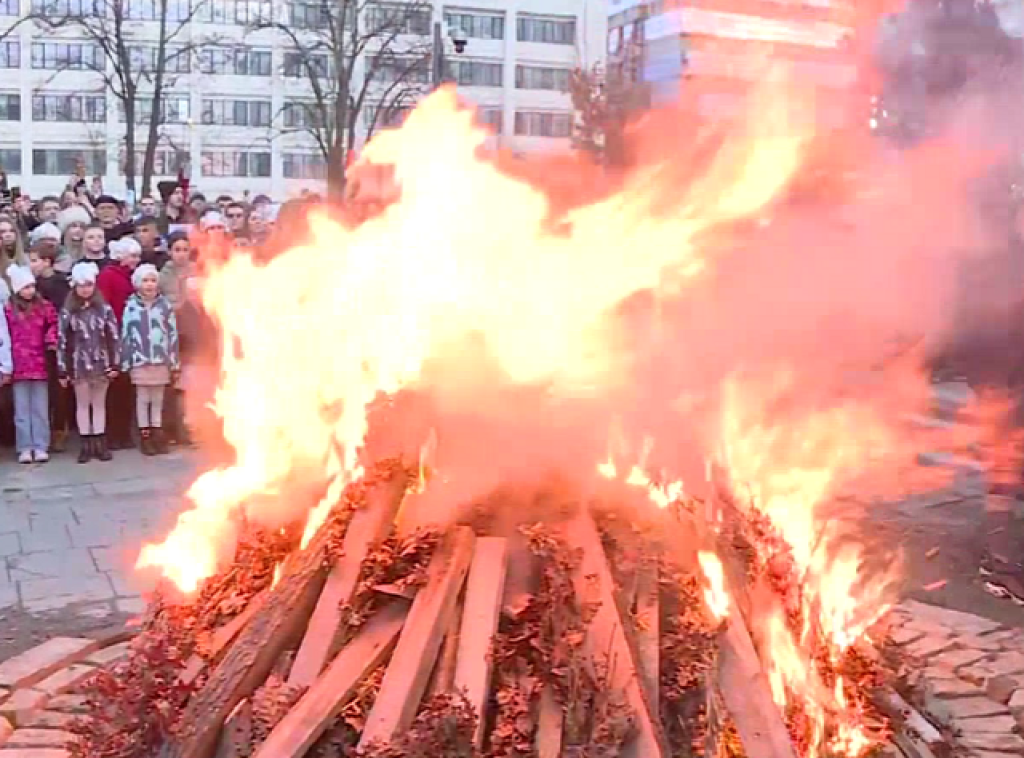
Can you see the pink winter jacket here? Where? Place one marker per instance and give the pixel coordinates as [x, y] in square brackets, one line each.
[32, 334]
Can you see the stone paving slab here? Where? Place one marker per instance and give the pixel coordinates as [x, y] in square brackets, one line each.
[70, 533]
[968, 675]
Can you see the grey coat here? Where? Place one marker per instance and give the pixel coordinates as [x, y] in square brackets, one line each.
[88, 345]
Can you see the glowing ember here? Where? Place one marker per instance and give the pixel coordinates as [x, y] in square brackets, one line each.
[715, 594]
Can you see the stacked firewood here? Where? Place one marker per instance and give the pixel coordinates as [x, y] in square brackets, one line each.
[560, 629]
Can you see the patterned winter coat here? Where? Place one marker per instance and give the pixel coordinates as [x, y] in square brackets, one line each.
[149, 334]
[32, 334]
[90, 343]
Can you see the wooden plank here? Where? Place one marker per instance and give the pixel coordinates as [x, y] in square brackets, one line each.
[443, 677]
[310, 717]
[369, 526]
[416, 652]
[607, 638]
[550, 720]
[747, 697]
[221, 638]
[236, 737]
[648, 633]
[277, 623]
[485, 588]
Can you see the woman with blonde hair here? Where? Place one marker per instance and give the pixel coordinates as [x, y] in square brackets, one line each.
[72, 222]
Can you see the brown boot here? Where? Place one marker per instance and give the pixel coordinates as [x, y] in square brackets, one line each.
[159, 441]
[60, 441]
[100, 449]
[146, 435]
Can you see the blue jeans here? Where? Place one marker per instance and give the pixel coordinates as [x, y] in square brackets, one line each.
[31, 416]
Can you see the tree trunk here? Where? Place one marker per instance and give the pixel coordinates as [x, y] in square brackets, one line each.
[156, 112]
[336, 171]
[129, 140]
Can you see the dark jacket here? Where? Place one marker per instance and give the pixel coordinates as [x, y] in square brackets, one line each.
[117, 231]
[157, 257]
[101, 263]
[115, 284]
[54, 288]
[89, 342]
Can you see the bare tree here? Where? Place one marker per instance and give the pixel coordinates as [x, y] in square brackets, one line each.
[362, 61]
[136, 65]
[603, 102]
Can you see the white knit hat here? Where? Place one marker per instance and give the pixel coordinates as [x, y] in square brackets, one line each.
[212, 220]
[84, 273]
[146, 269]
[45, 231]
[20, 276]
[74, 214]
[124, 247]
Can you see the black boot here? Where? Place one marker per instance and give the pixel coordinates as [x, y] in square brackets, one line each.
[159, 441]
[87, 450]
[101, 450]
[146, 442]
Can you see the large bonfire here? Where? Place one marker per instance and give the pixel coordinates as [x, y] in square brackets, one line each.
[510, 356]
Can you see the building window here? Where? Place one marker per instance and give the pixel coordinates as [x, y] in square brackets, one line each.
[397, 18]
[67, 56]
[59, 162]
[397, 69]
[75, 108]
[494, 118]
[542, 124]
[555, 30]
[240, 61]
[475, 73]
[175, 108]
[542, 77]
[477, 25]
[240, 163]
[385, 117]
[10, 107]
[238, 12]
[165, 162]
[236, 112]
[315, 14]
[303, 166]
[147, 10]
[10, 160]
[10, 54]
[147, 59]
[52, 8]
[297, 65]
[10, 7]
[302, 115]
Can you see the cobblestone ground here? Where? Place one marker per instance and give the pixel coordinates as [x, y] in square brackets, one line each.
[69, 535]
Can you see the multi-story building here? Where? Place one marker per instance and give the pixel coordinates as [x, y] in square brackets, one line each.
[721, 46]
[233, 106]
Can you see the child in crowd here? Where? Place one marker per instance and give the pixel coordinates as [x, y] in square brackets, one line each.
[73, 221]
[46, 237]
[149, 351]
[88, 356]
[115, 284]
[32, 322]
[54, 288]
[174, 278]
[94, 246]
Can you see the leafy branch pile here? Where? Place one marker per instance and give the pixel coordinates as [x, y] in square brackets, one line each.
[542, 646]
[443, 728]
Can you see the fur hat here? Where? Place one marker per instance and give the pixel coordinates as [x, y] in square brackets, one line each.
[20, 276]
[74, 214]
[84, 273]
[42, 232]
[106, 200]
[124, 247]
[146, 269]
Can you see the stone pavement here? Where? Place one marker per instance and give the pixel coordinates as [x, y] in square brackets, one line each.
[967, 676]
[70, 533]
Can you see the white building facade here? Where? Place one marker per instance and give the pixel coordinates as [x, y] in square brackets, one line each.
[226, 103]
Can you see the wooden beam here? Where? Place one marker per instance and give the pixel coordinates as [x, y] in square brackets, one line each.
[236, 737]
[648, 633]
[313, 714]
[443, 677]
[368, 527]
[406, 677]
[550, 721]
[221, 638]
[485, 588]
[276, 624]
[607, 638]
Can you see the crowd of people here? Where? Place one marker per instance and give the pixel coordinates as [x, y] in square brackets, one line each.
[103, 330]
